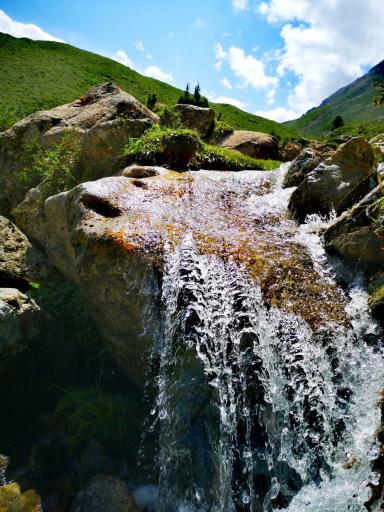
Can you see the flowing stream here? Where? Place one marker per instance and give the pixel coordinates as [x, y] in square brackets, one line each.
[269, 374]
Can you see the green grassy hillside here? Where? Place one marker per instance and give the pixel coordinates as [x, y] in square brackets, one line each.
[38, 75]
[353, 102]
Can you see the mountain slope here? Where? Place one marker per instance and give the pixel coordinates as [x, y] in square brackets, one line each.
[38, 75]
[353, 103]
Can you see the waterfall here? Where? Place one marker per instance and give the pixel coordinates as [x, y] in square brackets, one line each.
[260, 407]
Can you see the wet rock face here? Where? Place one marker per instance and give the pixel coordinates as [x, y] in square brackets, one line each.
[111, 236]
[254, 144]
[196, 118]
[104, 118]
[105, 494]
[337, 183]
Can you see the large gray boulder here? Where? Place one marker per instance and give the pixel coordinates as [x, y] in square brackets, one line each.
[20, 262]
[196, 118]
[303, 164]
[94, 237]
[19, 322]
[104, 493]
[104, 118]
[254, 144]
[337, 183]
[351, 236]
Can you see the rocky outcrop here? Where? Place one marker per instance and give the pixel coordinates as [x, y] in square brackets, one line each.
[254, 144]
[19, 321]
[88, 240]
[336, 183]
[352, 236]
[104, 494]
[104, 118]
[290, 152]
[302, 165]
[196, 118]
[20, 262]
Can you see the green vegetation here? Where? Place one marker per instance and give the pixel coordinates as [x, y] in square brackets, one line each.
[194, 99]
[38, 75]
[357, 103]
[151, 147]
[62, 300]
[221, 130]
[337, 123]
[367, 130]
[215, 157]
[54, 167]
[377, 217]
[91, 413]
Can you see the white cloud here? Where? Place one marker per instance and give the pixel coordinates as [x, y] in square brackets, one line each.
[279, 114]
[219, 65]
[327, 44]
[200, 23]
[250, 70]
[148, 56]
[226, 83]
[240, 5]
[156, 72]
[230, 101]
[139, 46]
[122, 57]
[18, 29]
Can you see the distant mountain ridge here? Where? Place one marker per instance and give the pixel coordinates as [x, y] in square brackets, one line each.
[354, 103]
[39, 75]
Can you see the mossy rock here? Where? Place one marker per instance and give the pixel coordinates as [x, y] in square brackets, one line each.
[12, 499]
[376, 298]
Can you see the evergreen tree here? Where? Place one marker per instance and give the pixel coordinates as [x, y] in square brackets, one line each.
[337, 122]
[197, 95]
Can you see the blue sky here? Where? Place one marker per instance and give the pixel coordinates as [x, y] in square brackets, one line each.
[277, 58]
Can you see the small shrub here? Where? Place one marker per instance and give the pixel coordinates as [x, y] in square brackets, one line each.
[52, 167]
[91, 413]
[170, 118]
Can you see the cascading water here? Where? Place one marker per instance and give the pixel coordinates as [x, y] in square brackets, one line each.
[264, 403]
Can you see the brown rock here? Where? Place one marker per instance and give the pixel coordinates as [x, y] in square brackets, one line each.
[303, 164]
[290, 152]
[254, 144]
[196, 118]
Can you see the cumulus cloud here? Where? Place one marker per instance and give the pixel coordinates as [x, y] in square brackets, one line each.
[240, 5]
[279, 114]
[226, 83]
[156, 72]
[122, 57]
[18, 29]
[327, 44]
[250, 70]
[230, 101]
[139, 46]
[200, 23]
